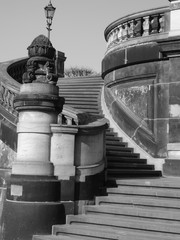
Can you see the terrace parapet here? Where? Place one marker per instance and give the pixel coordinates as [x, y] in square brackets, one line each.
[138, 28]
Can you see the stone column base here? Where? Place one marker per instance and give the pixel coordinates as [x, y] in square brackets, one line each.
[38, 168]
[171, 167]
[173, 150]
[31, 207]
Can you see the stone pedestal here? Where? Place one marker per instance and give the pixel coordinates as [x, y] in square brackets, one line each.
[62, 150]
[32, 204]
[36, 105]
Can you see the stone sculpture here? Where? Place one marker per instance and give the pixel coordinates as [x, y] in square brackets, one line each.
[41, 64]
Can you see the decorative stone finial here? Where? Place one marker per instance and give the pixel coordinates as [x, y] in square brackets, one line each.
[42, 47]
[41, 64]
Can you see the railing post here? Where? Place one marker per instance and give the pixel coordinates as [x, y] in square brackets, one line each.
[174, 17]
[146, 26]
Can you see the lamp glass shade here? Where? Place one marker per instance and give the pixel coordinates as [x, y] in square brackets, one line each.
[49, 11]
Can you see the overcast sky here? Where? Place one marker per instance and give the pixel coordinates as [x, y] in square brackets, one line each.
[78, 26]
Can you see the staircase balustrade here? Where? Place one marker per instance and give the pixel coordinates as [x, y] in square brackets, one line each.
[87, 133]
[141, 24]
[6, 98]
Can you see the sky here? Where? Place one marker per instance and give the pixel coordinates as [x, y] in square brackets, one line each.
[77, 29]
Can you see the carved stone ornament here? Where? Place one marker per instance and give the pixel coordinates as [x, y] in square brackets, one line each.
[41, 64]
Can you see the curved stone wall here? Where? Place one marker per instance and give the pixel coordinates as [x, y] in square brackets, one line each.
[142, 83]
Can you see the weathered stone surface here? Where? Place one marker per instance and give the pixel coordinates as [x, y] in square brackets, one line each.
[7, 156]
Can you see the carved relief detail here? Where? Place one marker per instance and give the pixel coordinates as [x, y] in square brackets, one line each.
[41, 65]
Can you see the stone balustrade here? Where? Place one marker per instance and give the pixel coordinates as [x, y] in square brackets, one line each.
[9, 87]
[78, 138]
[142, 24]
[16, 69]
[7, 96]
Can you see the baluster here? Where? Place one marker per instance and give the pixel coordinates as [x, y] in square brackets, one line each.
[1, 92]
[108, 40]
[131, 29]
[154, 24]
[60, 119]
[116, 34]
[161, 23]
[68, 120]
[138, 27]
[12, 102]
[111, 38]
[8, 99]
[120, 33]
[4, 96]
[146, 26]
[125, 31]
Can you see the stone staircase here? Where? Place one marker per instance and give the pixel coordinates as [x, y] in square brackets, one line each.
[137, 209]
[85, 94]
[139, 203]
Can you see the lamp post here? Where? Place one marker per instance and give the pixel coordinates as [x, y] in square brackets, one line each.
[49, 13]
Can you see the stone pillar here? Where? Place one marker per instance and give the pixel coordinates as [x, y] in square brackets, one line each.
[62, 150]
[174, 17]
[62, 157]
[36, 113]
[32, 203]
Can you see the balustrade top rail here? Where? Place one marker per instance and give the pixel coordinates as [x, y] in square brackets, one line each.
[9, 88]
[145, 23]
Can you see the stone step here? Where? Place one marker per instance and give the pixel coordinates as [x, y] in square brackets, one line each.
[116, 143]
[79, 101]
[134, 212]
[91, 111]
[75, 86]
[84, 106]
[143, 201]
[110, 133]
[131, 165]
[170, 182]
[122, 154]
[81, 80]
[143, 191]
[119, 148]
[121, 223]
[115, 159]
[77, 93]
[80, 83]
[113, 174]
[101, 232]
[61, 237]
[81, 97]
[93, 100]
[84, 231]
[72, 89]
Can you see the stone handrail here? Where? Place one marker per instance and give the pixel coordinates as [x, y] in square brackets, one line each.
[141, 24]
[78, 137]
[9, 87]
[17, 68]
[72, 116]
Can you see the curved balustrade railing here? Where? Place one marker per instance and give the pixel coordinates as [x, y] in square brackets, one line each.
[141, 24]
[17, 68]
[9, 86]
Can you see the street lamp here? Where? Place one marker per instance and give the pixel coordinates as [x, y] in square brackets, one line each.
[49, 13]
